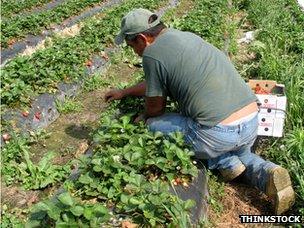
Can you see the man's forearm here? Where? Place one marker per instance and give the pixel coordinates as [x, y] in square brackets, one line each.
[136, 90]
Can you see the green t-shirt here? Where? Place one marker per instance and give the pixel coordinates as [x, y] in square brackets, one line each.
[197, 75]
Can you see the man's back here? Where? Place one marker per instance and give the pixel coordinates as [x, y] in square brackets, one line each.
[197, 75]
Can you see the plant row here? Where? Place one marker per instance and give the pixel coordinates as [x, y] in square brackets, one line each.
[129, 176]
[208, 19]
[63, 59]
[124, 182]
[18, 147]
[279, 48]
[8, 7]
[21, 25]
[19, 169]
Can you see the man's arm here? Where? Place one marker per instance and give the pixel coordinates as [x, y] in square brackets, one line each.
[117, 94]
[154, 106]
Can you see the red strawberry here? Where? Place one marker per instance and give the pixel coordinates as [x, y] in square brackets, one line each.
[38, 115]
[88, 63]
[6, 137]
[25, 113]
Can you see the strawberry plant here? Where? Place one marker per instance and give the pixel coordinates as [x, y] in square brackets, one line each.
[207, 20]
[9, 218]
[64, 59]
[8, 8]
[94, 82]
[67, 211]
[19, 26]
[11, 157]
[133, 168]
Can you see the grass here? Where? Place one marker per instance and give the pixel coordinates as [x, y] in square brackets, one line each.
[94, 82]
[279, 48]
[216, 191]
[69, 105]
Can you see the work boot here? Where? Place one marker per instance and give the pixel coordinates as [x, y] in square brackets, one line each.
[279, 189]
[230, 174]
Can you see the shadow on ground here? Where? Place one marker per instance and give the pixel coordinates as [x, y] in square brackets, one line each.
[81, 131]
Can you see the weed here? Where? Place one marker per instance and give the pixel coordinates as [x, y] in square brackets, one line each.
[216, 191]
[95, 82]
[38, 136]
[278, 49]
[11, 218]
[69, 105]
[18, 167]
[41, 175]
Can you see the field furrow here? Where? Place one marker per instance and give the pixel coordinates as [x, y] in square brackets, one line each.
[10, 8]
[19, 26]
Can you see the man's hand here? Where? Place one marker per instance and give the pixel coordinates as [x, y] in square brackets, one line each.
[115, 94]
[137, 90]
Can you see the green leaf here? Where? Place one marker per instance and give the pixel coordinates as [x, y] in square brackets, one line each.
[141, 142]
[124, 198]
[125, 120]
[65, 217]
[88, 213]
[77, 210]
[66, 199]
[66, 225]
[136, 155]
[45, 161]
[158, 134]
[54, 213]
[189, 204]
[32, 224]
[128, 156]
[135, 201]
[85, 179]
[100, 210]
[149, 162]
[97, 168]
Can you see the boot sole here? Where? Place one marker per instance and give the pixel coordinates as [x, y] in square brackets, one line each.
[230, 175]
[280, 190]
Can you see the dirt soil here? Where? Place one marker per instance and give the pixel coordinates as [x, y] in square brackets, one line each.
[240, 199]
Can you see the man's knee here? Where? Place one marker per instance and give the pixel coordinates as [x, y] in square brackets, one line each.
[153, 124]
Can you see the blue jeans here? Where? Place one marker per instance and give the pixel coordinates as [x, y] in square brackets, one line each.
[224, 147]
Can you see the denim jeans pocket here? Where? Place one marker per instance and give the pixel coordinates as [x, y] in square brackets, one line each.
[218, 139]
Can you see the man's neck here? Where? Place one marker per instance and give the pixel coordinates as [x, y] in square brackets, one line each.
[152, 39]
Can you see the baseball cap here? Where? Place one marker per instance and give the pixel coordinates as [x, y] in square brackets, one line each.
[136, 21]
